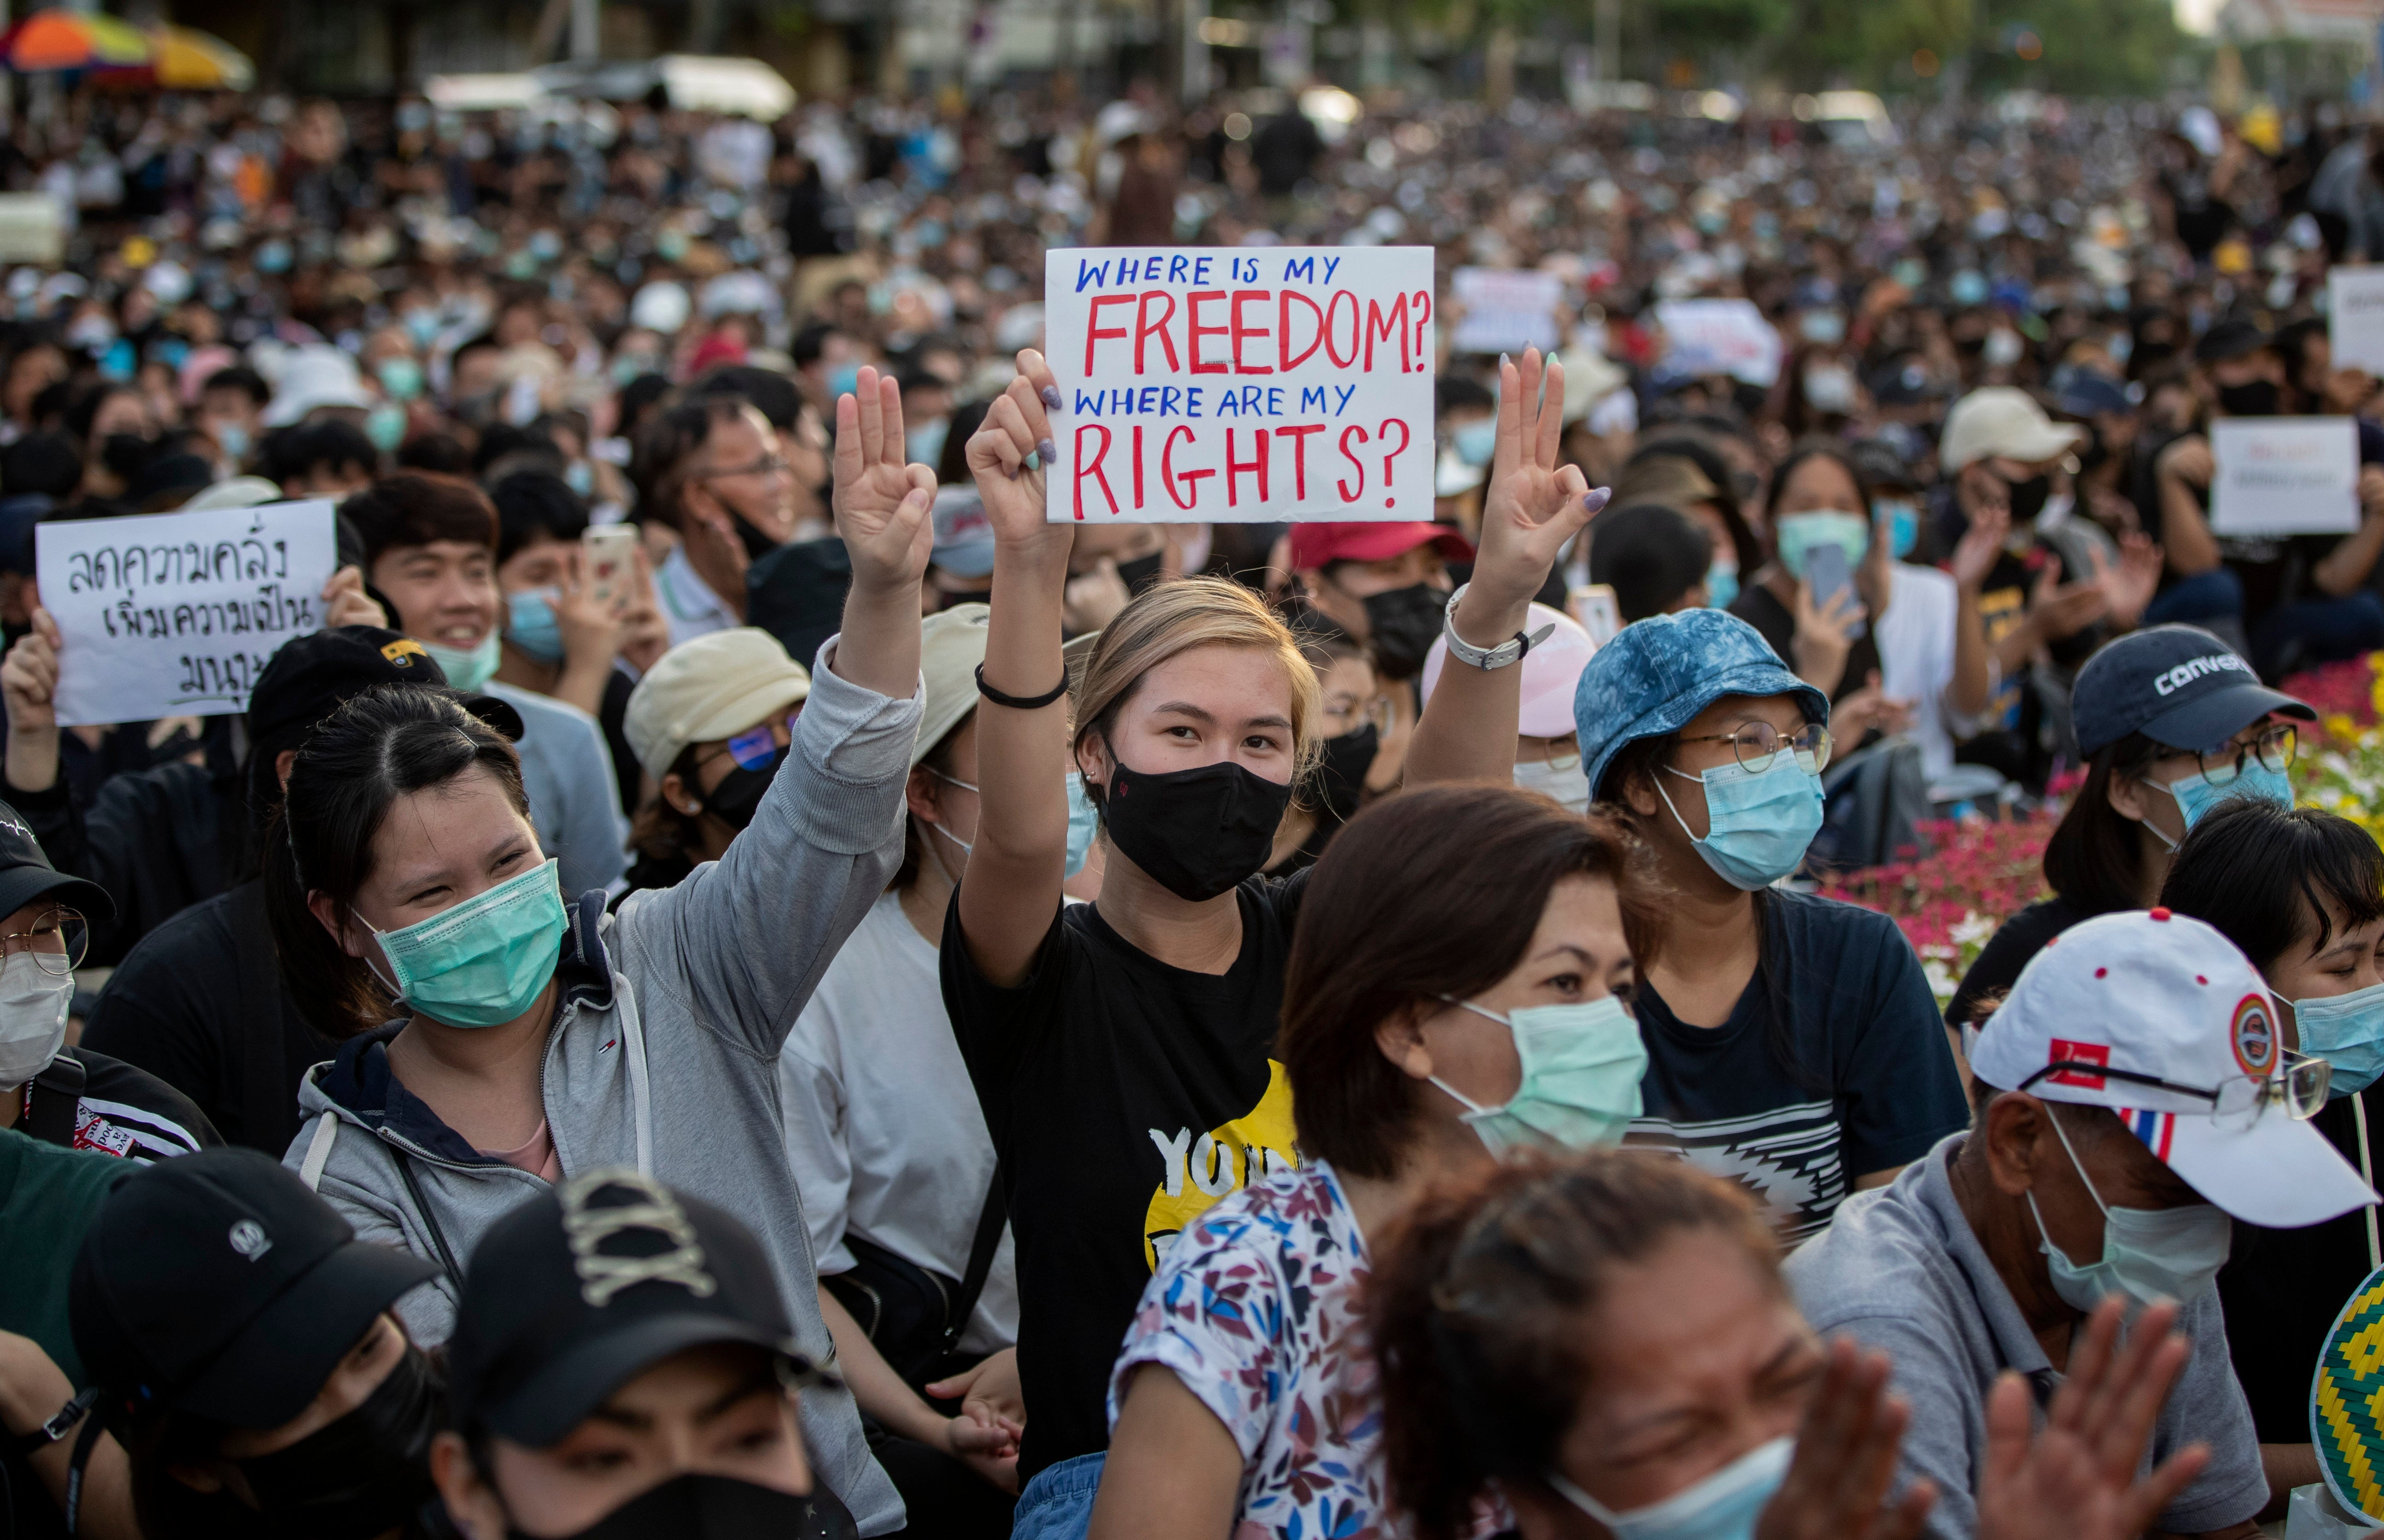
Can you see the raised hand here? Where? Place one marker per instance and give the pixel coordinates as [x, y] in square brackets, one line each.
[2130, 586]
[2077, 1477]
[1010, 454]
[1823, 634]
[1846, 1450]
[882, 503]
[346, 603]
[2058, 609]
[1976, 553]
[29, 685]
[1534, 505]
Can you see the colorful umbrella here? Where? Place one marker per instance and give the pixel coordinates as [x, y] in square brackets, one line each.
[72, 40]
[191, 60]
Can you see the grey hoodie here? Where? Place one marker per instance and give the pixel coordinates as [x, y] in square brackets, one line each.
[664, 1049]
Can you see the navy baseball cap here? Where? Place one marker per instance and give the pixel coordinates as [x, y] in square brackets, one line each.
[1658, 673]
[2089, 394]
[2176, 685]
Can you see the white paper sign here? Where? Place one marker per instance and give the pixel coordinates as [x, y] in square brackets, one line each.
[1240, 385]
[176, 614]
[1505, 311]
[2285, 475]
[1709, 337]
[2355, 309]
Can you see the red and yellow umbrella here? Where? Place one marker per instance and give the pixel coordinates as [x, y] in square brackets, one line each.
[59, 39]
[186, 59]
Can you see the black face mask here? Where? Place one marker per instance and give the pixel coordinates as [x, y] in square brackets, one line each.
[1141, 572]
[2097, 452]
[703, 1507]
[1195, 832]
[359, 1476]
[2253, 398]
[2028, 498]
[739, 796]
[976, 596]
[124, 454]
[757, 544]
[1341, 773]
[1404, 622]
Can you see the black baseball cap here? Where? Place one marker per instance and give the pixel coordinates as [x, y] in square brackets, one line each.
[2229, 340]
[312, 676]
[26, 873]
[587, 1285]
[2089, 394]
[2176, 685]
[218, 1284]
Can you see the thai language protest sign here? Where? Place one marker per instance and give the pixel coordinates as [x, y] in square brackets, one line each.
[2285, 475]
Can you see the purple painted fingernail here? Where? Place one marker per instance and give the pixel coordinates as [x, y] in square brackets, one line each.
[1046, 448]
[1050, 394]
[1596, 498]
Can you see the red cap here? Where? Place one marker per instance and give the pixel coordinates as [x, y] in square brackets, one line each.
[1313, 545]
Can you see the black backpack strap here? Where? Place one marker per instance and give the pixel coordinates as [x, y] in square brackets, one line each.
[990, 1221]
[267, 1101]
[53, 1099]
[430, 1219]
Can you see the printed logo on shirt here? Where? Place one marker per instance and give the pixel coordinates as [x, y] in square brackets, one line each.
[2092, 1053]
[1787, 1158]
[1199, 1170]
[94, 1132]
[2254, 1035]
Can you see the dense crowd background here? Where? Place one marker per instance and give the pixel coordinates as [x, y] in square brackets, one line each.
[663, 1017]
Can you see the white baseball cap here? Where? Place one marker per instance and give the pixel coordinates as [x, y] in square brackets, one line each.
[951, 645]
[2154, 1012]
[1998, 420]
[1551, 669]
[710, 687]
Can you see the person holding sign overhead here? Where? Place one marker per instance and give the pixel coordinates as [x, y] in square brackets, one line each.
[1121, 1049]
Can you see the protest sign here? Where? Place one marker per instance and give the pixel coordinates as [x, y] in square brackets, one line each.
[1502, 311]
[167, 615]
[2284, 476]
[1710, 337]
[2354, 311]
[1250, 386]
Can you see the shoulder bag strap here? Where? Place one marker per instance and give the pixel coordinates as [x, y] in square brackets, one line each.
[266, 1098]
[52, 1099]
[430, 1219]
[990, 1221]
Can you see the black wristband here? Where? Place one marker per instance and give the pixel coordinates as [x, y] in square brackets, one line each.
[59, 1426]
[1020, 702]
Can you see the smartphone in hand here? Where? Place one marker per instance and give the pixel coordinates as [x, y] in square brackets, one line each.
[606, 553]
[1827, 574]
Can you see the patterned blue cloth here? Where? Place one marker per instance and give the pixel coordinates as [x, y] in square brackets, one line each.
[1660, 672]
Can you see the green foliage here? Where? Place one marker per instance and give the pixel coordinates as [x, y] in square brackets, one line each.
[2092, 47]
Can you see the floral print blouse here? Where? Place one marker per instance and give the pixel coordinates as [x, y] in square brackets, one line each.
[1257, 1311]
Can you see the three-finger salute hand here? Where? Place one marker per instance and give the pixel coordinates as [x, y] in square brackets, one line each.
[882, 503]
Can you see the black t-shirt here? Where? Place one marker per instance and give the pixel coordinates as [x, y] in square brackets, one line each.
[1124, 1098]
[2007, 951]
[1762, 609]
[192, 1004]
[2274, 569]
[612, 716]
[1834, 1065]
[121, 1111]
[2282, 1289]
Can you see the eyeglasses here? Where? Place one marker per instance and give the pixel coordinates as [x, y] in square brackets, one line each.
[768, 464]
[2275, 750]
[1756, 744]
[2299, 1087]
[58, 940]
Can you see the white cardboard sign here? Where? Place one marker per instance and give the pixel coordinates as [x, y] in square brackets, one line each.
[1504, 310]
[2355, 309]
[2284, 476]
[1249, 385]
[176, 614]
[1710, 337]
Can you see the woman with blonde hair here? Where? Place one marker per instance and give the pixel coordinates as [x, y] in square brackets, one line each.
[1121, 1049]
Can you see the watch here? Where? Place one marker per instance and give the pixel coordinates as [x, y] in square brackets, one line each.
[1509, 651]
[59, 1426]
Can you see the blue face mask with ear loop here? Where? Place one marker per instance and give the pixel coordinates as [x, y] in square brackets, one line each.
[1579, 1088]
[1723, 1506]
[1084, 823]
[1902, 516]
[968, 846]
[531, 623]
[1722, 586]
[2195, 796]
[480, 962]
[2347, 1031]
[1758, 827]
[2147, 1253]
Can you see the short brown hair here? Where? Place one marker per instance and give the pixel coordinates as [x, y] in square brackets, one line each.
[1429, 893]
[414, 509]
[1476, 1303]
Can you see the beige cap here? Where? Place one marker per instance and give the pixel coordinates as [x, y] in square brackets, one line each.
[712, 687]
[2000, 421]
[951, 645]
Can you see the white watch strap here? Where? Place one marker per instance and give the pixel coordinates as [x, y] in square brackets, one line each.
[1464, 651]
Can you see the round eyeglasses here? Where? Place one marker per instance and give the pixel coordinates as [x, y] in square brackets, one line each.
[2275, 749]
[1756, 744]
[58, 940]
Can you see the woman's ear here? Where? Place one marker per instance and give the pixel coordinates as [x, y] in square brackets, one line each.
[1639, 794]
[2126, 794]
[326, 913]
[1092, 757]
[919, 795]
[680, 796]
[471, 1502]
[1400, 1039]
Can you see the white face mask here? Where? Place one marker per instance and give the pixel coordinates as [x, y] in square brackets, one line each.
[1561, 781]
[33, 1018]
[1724, 1505]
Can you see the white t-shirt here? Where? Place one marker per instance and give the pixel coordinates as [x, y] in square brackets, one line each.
[1916, 655]
[688, 601]
[883, 1128]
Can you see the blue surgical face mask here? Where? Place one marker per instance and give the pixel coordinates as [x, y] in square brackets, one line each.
[1476, 442]
[1084, 822]
[2347, 1031]
[1580, 1090]
[531, 623]
[1799, 534]
[1758, 827]
[385, 426]
[581, 478]
[467, 670]
[1722, 586]
[483, 962]
[400, 375]
[1723, 1506]
[234, 440]
[2148, 1254]
[1902, 516]
[2195, 796]
[922, 442]
[843, 380]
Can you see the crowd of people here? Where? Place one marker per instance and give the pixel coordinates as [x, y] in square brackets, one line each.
[746, 983]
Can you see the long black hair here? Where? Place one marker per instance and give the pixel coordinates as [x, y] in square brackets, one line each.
[2270, 877]
[386, 743]
[2095, 857]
